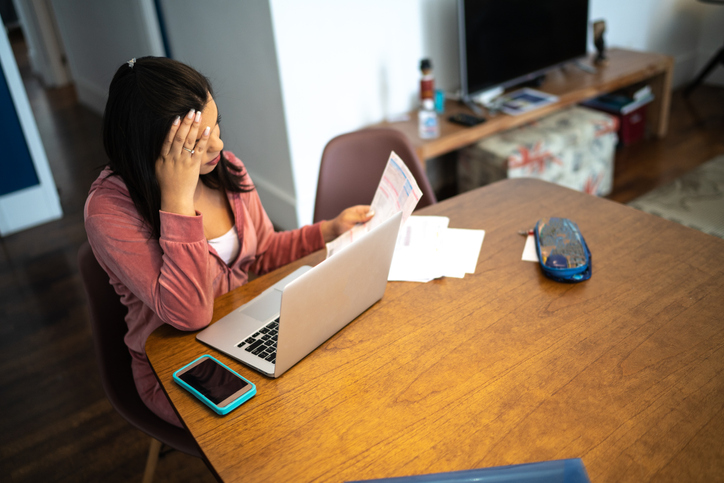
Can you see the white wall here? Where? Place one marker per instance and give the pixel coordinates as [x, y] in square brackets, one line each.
[45, 47]
[688, 30]
[99, 36]
[343, 65]
[232, 43]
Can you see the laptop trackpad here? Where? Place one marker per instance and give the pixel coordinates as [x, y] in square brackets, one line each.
[265, 307]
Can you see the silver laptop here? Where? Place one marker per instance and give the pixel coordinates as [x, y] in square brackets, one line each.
[297, 314]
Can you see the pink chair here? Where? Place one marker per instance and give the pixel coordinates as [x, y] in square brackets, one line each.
[352, 165]
[107, 315]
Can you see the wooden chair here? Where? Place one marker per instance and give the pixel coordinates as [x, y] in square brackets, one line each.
[352, 165]
[107, 315]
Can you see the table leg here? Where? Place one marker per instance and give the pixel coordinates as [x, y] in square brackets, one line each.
[657, 113]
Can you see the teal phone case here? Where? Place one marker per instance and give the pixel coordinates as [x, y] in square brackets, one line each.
[217, 409]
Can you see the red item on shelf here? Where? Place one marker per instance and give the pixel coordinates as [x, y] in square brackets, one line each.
[632, 126]
[427, 81]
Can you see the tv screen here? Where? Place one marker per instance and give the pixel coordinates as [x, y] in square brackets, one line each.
[507, 42]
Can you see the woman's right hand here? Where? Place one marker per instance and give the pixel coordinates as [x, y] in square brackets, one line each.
[177, 168]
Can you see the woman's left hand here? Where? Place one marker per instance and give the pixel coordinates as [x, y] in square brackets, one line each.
[331, 229]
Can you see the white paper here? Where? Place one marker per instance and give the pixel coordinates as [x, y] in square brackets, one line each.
[427, 249]
[397, 191]
[418, 254]
[461, 250]
[529, 252]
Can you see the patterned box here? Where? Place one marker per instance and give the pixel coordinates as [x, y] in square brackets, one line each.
[574, 147]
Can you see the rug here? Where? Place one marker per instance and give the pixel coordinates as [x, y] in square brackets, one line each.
[695, 200]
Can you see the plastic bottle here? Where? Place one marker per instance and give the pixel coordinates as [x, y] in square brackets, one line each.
[427, 81]
[428, 125]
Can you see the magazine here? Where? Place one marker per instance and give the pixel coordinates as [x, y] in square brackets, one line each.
[524, 100]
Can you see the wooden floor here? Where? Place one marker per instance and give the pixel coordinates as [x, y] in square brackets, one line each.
[56, 423]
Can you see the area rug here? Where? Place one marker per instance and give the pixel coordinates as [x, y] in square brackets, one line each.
[695, 200]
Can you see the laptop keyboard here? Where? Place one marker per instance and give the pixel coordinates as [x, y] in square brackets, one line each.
[263, 343]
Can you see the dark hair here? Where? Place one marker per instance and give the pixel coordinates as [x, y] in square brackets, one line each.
[143, 101]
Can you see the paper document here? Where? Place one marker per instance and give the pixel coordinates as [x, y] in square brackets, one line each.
[529, 252]
[427, 249]
[397, 191]
[418, 254]
[461, 251]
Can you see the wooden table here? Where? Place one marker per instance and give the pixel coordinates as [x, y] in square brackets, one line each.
[572, 85]
[625, 370]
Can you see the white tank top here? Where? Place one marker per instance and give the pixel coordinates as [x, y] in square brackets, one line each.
[227, 245]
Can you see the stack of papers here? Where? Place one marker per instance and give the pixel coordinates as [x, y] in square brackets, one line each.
[426, 247]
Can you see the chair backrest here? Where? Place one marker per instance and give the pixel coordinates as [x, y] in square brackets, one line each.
[352, 165]
[108, 325]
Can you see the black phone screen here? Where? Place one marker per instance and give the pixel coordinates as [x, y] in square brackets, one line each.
[215, 382]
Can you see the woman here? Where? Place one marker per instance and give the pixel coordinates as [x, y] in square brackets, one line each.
[174, 219]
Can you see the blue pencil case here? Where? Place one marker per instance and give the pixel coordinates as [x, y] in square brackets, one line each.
[562, 251]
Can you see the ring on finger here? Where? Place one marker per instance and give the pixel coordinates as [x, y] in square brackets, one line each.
[189, 150]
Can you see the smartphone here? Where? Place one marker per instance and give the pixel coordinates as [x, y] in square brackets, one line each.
[214, 384]
[466, 119]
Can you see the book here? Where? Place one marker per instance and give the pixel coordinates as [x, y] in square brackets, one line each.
[621, 102]
[524, 100]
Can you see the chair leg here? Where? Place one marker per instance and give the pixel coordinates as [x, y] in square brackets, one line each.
[717, 59]
[153, 452]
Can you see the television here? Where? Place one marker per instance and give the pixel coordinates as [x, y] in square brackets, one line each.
[508, 42]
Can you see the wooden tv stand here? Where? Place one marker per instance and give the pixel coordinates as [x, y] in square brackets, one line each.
[572, 85]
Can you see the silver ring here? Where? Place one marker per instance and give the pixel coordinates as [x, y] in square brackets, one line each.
[189, 150]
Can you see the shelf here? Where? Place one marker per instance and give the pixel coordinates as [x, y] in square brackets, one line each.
[572, 85]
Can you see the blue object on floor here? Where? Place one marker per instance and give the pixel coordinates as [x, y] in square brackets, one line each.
[558, 471]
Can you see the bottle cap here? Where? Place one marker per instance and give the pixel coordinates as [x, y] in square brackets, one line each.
[425, 64]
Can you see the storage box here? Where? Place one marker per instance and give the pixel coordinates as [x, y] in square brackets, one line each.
[629, 106]
[633, 126]
[574, 147]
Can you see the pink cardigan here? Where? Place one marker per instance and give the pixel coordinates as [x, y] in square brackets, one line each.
[174, 280]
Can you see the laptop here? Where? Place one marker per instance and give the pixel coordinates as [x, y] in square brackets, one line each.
[290, 319]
